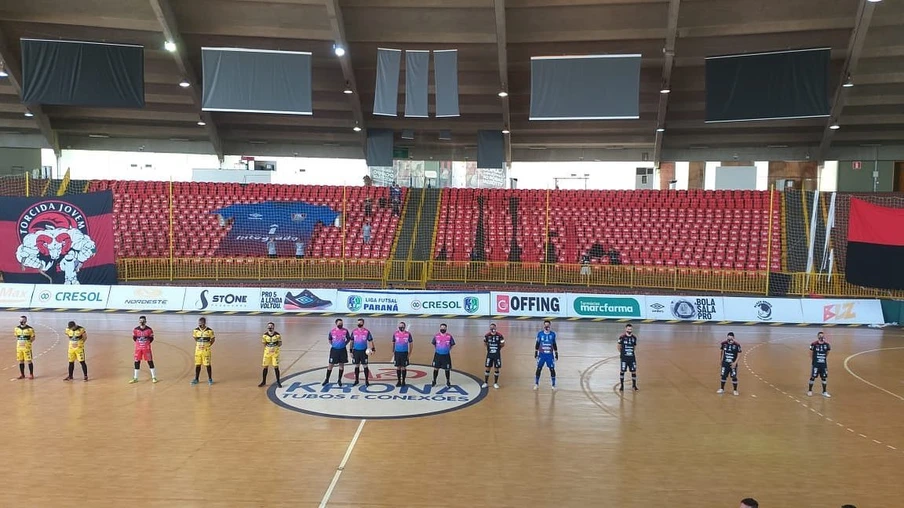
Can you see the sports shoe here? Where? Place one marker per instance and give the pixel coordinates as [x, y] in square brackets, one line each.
[21, 377]
[133, 380]
[278, 384]
[355, 383]
[448, 384]
[826, 395]
[636, 388]
[735, 392]
[720, 391]
[153, 380]
[194, 381]
[210, 382]
[433, 383]
[496, 385]
[553, 388]
[31, 376]
[621, 388]
[86, 378]
[398, 383]
[809, 394]
[263, 383]
[304, 300]
[536, 387]
[484, 385]
[69, 378]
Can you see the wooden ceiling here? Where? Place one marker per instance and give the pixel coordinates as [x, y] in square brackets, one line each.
[495, 39]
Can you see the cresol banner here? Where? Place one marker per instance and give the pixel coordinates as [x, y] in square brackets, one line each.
[70, 297]
[414, 302]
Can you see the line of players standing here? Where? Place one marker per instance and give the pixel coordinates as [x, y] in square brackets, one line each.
[360, 344]
[729, 353]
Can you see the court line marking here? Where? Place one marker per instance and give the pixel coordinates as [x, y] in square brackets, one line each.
[852, 431]
[588, 392]
[341, 468]
[851, 372]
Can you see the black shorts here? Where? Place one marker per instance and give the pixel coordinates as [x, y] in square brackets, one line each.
[359, 356]
[728, 370]
[494, 361]
[821, 370]
[629, 363]
[442, 361]
[400, 359]
[338, 356]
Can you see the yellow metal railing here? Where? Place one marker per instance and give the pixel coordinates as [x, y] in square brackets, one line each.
[64, 184]
[616, 277]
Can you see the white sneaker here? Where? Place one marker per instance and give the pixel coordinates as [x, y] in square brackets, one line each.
[735, 392]
[496, 385]
[826, 394]
[536, 387]
[720, 391]
[553, 388]
[483, 385]
[809, 394]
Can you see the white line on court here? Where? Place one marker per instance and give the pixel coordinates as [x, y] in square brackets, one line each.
[848, 369]
[348, 452]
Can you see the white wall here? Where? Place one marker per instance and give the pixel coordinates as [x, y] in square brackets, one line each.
[736, 178]
[101, 165]
[828, 176]
[682, 174]
[709, 175]
[762, 175]
[601, 175]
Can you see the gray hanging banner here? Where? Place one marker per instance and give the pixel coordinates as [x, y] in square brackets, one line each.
[490, 149]
[379, 147]
[417, 65]
[445, 71]
[386, 95]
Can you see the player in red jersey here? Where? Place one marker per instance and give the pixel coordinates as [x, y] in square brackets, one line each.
[143, 335]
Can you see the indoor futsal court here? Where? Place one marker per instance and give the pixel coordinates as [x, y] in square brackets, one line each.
[673, 443]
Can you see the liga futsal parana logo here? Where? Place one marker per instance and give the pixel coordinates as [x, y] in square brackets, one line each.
[304, 393]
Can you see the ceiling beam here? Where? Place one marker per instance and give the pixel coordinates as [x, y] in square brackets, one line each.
[854, 49]
[337, 24]
[167, 19]
[502, 54]
[666, 82]
[14, 70]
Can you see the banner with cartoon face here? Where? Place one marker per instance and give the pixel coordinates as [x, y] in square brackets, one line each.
[58, 240]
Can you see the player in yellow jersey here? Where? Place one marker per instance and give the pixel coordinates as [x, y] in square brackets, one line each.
[77, 337]
[204, 339]
[272, 341]
[25, 337]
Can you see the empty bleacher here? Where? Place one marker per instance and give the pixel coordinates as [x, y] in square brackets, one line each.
[142, 215]
[705, 229]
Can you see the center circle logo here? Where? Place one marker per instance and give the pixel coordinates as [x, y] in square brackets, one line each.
[44, 296]
[382, 400]
[415, 305]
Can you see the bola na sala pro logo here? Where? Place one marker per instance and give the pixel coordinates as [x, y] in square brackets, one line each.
[303, 393]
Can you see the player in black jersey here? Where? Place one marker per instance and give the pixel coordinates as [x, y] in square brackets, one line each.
[627, 344]
[819, 357]
[730, 352]
[494, 341]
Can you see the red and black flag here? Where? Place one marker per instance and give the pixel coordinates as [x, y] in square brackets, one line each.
[875, 250]
[58, 240]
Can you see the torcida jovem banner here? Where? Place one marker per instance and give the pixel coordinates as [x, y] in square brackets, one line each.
[58, 240]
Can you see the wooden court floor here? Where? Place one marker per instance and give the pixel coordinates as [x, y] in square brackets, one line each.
[674, 443]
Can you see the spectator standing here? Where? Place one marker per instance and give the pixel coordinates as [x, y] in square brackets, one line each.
[271, 247]
[365, 231]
